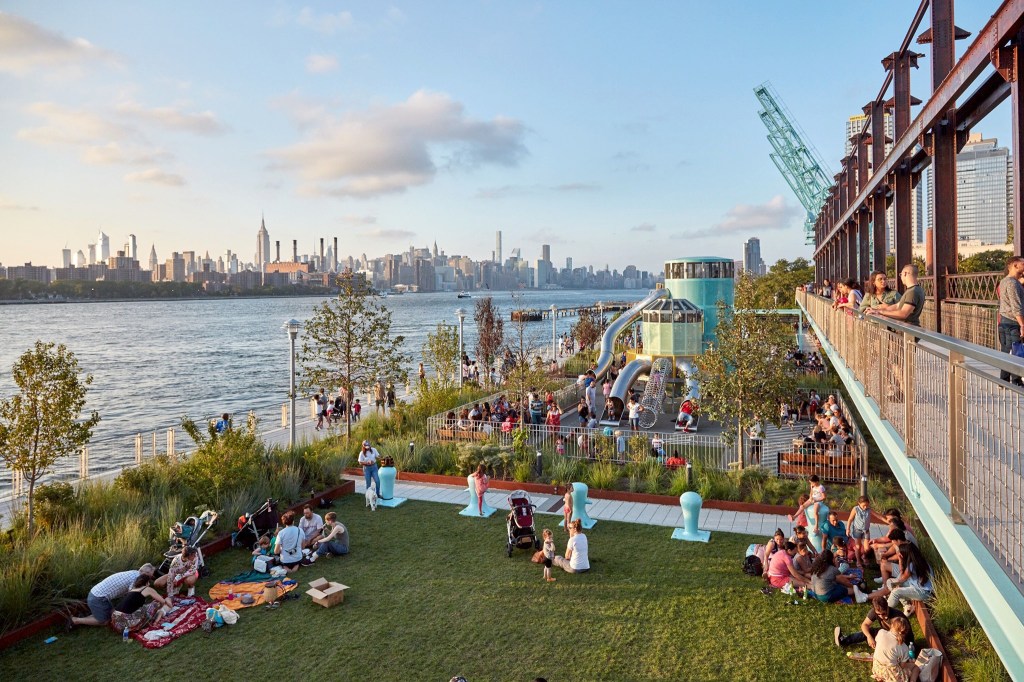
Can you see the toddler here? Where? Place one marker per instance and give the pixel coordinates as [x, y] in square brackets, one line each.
[560, 445]
[814, 503]
[262, 548]
[549, 554]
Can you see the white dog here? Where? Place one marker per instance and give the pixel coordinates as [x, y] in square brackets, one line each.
[371, 499]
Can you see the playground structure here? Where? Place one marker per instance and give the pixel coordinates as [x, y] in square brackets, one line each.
[676, 322]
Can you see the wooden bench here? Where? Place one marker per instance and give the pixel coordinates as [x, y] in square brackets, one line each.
[459, 434]
[844, 462]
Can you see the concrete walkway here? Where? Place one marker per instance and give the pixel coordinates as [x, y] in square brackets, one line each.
[608, 510]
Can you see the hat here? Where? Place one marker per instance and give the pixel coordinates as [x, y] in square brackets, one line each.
[366, 443]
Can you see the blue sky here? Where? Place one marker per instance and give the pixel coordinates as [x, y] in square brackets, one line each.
[616, 132]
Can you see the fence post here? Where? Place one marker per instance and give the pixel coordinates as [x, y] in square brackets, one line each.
[138, 449]
[16, 483]
[956, 420]
[154, 444]
[284, 415]
[908, 392]
[170, 442]
[83, 463]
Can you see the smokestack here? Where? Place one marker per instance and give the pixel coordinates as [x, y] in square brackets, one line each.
[928, 254]
[323, 266]
[334, 265]
[295, 250]
[277, 245]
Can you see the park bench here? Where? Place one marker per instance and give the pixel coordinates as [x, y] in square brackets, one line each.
[459, 434]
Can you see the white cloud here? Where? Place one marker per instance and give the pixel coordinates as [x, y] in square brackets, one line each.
[321, 63]
[26, 47]
[577, 187]
[358, 219]
[173, 118]
[388, 149]
[546, 236]
[156, 176]
[643, 227]
[392, 234]
[324, 23]
[505, 191]
[773, 215]
[11, 205]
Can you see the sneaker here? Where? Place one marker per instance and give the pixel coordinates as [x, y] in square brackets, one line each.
[305, 561]
[909, 611]
[878, 581]
[837, 635]
[859, 596]
[191, 592]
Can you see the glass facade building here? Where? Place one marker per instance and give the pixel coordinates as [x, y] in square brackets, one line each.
[982, 188]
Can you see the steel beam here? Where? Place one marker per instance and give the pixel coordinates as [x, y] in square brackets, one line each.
[1003, 26]
[881, 234]
[851, 250]
[944, 232]
[1009, 62]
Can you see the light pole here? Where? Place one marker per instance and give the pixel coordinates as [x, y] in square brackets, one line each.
[554, 334]
[600, 315]
[292, 327]
[461, 314]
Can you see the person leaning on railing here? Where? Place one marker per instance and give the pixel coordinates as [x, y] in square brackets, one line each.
[910, 306]
[1011, 312]
[877, 292]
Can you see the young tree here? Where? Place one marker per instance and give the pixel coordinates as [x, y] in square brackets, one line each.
[587, 330]
[42, 422]
[441, 351]
[744, 373]
[490, 330]
[777, 288]
[521, 369]
[348, 343]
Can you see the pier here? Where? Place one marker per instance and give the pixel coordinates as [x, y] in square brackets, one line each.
[540, 314]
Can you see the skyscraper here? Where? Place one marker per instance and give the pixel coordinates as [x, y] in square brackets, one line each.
[103, 247]
[132, 250]
[497, 247]
[752, 261]
[982, 183]
[262, 247]
[92, 253]
[65, 257]
[545, 252]
[154, 264]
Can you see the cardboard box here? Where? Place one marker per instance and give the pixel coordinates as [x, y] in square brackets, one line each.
[325, 593]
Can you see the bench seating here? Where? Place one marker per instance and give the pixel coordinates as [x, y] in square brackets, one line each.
[459, 434]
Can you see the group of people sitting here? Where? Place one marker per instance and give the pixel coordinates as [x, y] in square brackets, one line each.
[811, 362]
[828, 575]
[301, 542]
[831, 434]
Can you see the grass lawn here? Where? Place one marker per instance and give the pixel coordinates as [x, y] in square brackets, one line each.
[433, 595]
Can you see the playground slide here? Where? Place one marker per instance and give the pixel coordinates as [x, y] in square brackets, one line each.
[607, 354]
[628, 376]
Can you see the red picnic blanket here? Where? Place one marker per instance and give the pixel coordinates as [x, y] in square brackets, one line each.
[186, 618]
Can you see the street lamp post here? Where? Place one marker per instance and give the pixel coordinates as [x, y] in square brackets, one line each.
[554, 334]
[461, 314]
[292, 327]
[600, 315]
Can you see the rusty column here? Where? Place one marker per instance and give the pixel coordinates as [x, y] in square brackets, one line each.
[879, 233]
[901, 101]
[1009, 61]
[944, 235]
[851, 250]
[864, 217]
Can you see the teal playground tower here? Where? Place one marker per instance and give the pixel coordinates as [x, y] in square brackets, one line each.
[704, 281]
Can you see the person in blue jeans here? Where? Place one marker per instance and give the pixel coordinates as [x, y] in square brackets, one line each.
[368, 460]
[333, 541]
[1011, 312]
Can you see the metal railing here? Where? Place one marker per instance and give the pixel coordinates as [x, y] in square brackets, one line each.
[944, 398]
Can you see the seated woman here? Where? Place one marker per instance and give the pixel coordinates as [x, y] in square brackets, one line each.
[827, 584]
[132, 612]
[289, 543]
[804, 558]
[334, 539]
[914, 582]
[780, 569]
[184, 572]
[577, 551]
[464, 423]
[891, 661]
[777, 543]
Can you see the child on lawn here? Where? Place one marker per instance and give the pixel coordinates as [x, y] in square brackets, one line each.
[859, 527]
[568, 506]
[814, 503]
[549, 554]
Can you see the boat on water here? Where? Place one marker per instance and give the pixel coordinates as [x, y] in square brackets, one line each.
[463, 294]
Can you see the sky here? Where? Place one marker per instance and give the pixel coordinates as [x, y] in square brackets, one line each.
[617, 132]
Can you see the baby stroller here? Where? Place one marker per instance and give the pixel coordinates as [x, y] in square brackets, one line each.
[252, 526]
[188, 533]
[521, 533]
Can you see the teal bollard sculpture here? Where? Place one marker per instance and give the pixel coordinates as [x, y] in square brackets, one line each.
[579, 505]
[473, 509]
[814, 533]
[691, 503]
[387, 497]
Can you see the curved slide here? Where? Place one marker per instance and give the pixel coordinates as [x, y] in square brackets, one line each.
[607, 354]
[656, 374]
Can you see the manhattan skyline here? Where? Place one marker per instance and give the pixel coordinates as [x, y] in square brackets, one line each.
[615, 135]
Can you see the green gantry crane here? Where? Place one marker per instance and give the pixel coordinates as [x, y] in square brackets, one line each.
[799, 162]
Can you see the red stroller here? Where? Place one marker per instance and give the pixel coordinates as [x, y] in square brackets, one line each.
[521, 533]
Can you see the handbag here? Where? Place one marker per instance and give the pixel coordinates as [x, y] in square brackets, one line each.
[263, 563]
[538, 557]
[1017, 349]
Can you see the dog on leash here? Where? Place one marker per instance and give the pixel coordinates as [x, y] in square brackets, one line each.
[371, 499]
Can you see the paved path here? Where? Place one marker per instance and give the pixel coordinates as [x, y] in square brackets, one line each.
[607, 510]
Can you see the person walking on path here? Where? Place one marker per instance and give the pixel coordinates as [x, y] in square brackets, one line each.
[368, 460]
[391, 397]
[1011, 312]
[379, 397]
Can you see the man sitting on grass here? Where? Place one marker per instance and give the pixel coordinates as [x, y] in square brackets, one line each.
[879, 618]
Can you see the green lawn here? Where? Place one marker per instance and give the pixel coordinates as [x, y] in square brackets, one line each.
[433, 595]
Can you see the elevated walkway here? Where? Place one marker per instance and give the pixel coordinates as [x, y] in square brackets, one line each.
[951, 433]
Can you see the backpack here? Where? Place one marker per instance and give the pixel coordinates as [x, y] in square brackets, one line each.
[752, 566]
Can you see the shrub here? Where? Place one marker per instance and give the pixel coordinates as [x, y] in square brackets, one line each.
[601, 475]
[677, 482]
[19, 578]
[565, 470]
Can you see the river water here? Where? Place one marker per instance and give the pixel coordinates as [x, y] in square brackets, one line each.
[155, 361]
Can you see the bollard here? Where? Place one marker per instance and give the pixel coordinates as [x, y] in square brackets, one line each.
[472, 509]
[864, 485]
[539, 468]
[84, 463]
[284, 415]
[154, 444]
[579, 505]
[138, 448]
[689, 474]
[690, 502]
[814, 533]
[387, 475]
[170, 443]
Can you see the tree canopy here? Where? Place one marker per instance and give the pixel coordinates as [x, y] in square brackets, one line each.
[441, 352]
[993, 260]
[777, 288]
[490, 330]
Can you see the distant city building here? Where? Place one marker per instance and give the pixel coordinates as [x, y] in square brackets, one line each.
[262, 246]
[983, 185]
[29, 272]
[132, 247]
[752, 261]
[80, 261]
[103, 247]
[497, 248]
[545, 252]
[154, 264]
[92, 253]
[65, 258]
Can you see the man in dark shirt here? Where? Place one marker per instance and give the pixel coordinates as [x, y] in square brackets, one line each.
[910, 306]
[1011, 312]
[879, 614]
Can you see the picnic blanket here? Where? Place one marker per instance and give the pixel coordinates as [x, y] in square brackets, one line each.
[187, 618]
[220, 592]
